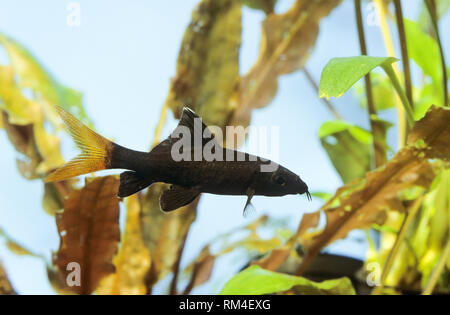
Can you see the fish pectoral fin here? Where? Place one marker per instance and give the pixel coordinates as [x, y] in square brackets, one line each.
[249, 209]
[177, 197]
[132, 182]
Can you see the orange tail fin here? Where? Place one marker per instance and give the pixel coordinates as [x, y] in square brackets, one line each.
[96, 150]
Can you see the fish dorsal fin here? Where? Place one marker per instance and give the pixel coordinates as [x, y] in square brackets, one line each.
[194, 123]
[188, 118]
[196, 128]
[177, 197]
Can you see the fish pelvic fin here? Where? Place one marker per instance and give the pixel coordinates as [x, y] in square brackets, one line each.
[177, 197]
[131, 182]
[96, 150]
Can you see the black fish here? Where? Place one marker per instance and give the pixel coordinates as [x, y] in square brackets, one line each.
[188, 177]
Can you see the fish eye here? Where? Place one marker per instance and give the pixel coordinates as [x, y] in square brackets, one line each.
[280, 180]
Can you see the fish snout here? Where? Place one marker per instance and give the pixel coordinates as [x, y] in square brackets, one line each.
[304, 190]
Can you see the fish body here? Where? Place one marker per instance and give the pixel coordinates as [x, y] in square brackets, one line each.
[221, 177]
[236, 173]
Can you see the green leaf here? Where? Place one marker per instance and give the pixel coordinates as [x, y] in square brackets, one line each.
[325, 196]
[424, 50]
[442, 6]
[32, 75]
[383, 93]
[348, 148]
[430, 237]
[426, 96]
[332, 127]
[341, 73]
[265, 5]
[254, 281]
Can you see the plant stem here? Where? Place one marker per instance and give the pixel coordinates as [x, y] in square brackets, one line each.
[160, 126]
[412, 211]
[409, 112]
[382, 12]
[437, 271]
[379, 151]
[433, 17]
[404, 51]
[176, 269]
[324, 100]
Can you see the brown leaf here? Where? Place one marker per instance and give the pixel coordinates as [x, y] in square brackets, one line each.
[275, 258]
[363, 202]
[133, 261]
[5, 285]
[287, 40]
[278, 256]
[89, 231]
[431, 135]
[164, 234]
[208, 62]
[22, 138]
[202, 269]
[381, 191]
[57, 282]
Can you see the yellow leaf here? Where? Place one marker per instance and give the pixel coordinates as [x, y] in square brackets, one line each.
[260, 245]
[21, 110]
[31, 74]
[17, 248]
[52, 201]
[133, 261]
[164, 233]
[49, 147]
[5, 285]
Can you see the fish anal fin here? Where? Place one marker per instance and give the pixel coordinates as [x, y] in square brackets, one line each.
[177, 197]
[132, 182]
